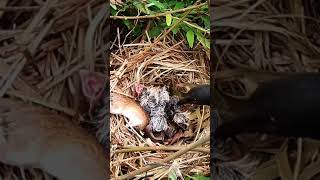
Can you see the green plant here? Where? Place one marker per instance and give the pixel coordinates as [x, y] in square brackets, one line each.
[157, 16]
[198, 178]
[172, 176]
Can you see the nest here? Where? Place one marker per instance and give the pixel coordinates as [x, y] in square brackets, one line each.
[158, 65]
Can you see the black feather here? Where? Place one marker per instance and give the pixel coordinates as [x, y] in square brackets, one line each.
[288, 107]
[199, 95]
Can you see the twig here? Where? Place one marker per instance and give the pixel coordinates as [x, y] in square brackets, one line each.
[30, 8]
[169, 30]
[159, 148]
[41, 102]
[89, 39]
[11, 75]
[194, 26]
[167, 159]
[20, 8]
[3, 4]
[159, 14]
[297, 165]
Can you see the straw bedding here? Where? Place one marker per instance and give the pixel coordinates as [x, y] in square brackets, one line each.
[158, 64]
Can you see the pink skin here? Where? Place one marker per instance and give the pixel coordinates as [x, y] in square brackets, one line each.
[92, 86]
[139, 88]
[176, 137]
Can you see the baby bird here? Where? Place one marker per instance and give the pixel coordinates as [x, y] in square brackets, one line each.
[154, 101]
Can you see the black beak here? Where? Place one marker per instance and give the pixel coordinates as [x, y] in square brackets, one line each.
[184, 101]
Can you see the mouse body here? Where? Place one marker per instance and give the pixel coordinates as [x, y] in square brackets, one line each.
[35, 137]
[287, 106]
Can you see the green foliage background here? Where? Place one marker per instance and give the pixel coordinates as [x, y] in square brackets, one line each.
[195, 28]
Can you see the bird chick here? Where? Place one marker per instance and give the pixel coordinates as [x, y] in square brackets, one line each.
[154, 101]
[165, 115]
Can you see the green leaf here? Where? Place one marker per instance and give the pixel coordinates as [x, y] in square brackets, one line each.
[172, 175]
[190, 38]
[155, 31]
[141, 7]
[204, 41]
[207, 42]
[127, 23]
[137, 30]
[157, 4]
[185, 27]
[113, 6]
[206, 21]
[175, 30]
[113, 12]
[168, 19]
[165, 5]
[178, 5]
[201, 38]
[174, 21]
[201, 178]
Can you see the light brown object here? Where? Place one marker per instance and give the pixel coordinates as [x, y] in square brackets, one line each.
[35, 137]
[122, 105]
[116, 2]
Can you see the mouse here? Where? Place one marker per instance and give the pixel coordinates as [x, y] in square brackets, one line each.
[94, 89]
[286, 106]
[36, 137]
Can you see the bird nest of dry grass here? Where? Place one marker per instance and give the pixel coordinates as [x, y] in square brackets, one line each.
[158, 64]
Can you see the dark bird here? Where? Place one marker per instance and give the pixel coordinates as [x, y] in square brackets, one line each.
[197, 95]
[287, 105]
